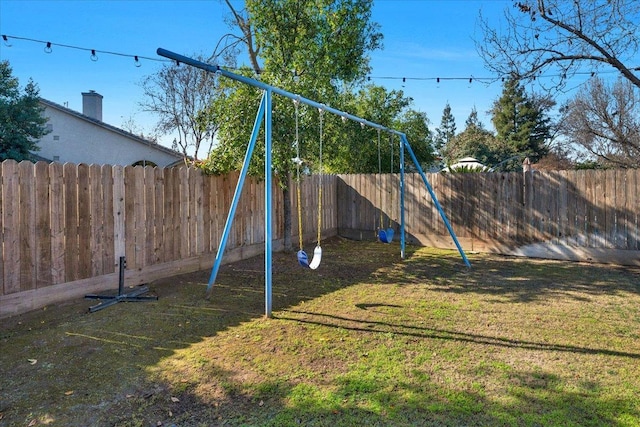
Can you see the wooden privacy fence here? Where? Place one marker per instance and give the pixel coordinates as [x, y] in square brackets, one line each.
[590, 215]
[64, 227]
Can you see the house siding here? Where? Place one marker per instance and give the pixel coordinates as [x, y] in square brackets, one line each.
[78, 139]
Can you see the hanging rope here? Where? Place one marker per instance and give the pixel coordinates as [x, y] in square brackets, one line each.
[385, 235]
[380, 186]
[320, 185]
[391, 172]
[303, 258]
[298, 162]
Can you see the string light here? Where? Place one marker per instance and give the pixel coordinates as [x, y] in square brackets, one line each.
[137, 62]
[48, 48]
[487, 80]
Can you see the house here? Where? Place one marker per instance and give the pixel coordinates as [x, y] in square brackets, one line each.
[84, 138]
[466, 164]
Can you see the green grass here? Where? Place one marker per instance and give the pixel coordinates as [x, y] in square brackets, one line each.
[368, 339]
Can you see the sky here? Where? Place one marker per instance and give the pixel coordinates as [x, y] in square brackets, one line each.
[423, 40]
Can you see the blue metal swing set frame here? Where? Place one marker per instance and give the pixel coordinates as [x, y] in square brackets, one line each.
[264, 113]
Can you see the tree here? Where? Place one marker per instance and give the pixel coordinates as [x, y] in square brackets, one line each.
[447, 129]
[22, 122]
[522, 125]
[314, 49]
[475, 141]
[181, 97]
[556, 39]
[354, 149]
[605, 121]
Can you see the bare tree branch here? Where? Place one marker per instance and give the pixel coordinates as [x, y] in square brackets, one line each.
[547, 36]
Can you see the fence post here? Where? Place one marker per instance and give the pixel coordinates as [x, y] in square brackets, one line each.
[527, 202]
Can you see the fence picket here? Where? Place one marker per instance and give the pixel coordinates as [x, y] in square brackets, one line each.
[85, 220]
[27, 208]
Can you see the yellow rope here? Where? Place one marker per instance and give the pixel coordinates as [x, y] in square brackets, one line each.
[321, 111]
[298, 161]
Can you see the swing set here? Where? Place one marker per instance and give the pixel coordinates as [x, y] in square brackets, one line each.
[265, 113]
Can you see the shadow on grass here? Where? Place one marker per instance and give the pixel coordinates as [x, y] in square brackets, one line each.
[376, 327]
[62, 366]
[515, 279]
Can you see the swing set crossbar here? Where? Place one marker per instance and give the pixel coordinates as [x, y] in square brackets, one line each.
[265, 112]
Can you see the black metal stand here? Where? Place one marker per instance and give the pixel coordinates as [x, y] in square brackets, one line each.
[134, 295]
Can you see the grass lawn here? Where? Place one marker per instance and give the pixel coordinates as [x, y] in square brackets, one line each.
[367, 339]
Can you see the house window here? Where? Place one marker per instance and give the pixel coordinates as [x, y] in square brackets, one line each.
[56, 158]
[56, 137]
[49, 127]
[144, 163]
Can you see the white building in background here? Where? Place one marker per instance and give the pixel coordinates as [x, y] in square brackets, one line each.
[84, 138]
[466, 164]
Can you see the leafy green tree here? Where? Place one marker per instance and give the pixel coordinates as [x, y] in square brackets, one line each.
[314, 49]
[354, 149]
[475, 141]
[415, 125]
[522, 125]
[447, 129]
[22, 122]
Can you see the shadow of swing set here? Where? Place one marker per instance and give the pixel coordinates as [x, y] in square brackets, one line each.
[264, 114]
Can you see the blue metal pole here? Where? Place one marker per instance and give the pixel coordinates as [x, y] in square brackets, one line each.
[257, 83]
[268, 220]
[435, 200]
[236, 195]
[402, 223]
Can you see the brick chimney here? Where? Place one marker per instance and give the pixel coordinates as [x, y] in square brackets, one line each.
[92, 104]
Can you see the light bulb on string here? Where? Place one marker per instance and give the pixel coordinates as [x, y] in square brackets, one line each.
[137, 62]
[6, 41]
[93, 56]
[47, 48]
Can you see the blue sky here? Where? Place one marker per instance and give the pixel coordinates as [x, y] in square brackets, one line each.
[422, 39]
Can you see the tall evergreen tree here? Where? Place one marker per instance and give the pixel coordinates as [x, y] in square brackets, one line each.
[447, 129]
[522, 125]
[475, 141]
[21, 119]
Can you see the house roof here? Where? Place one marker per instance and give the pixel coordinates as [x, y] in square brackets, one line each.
[111, 128]
[466, 163]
